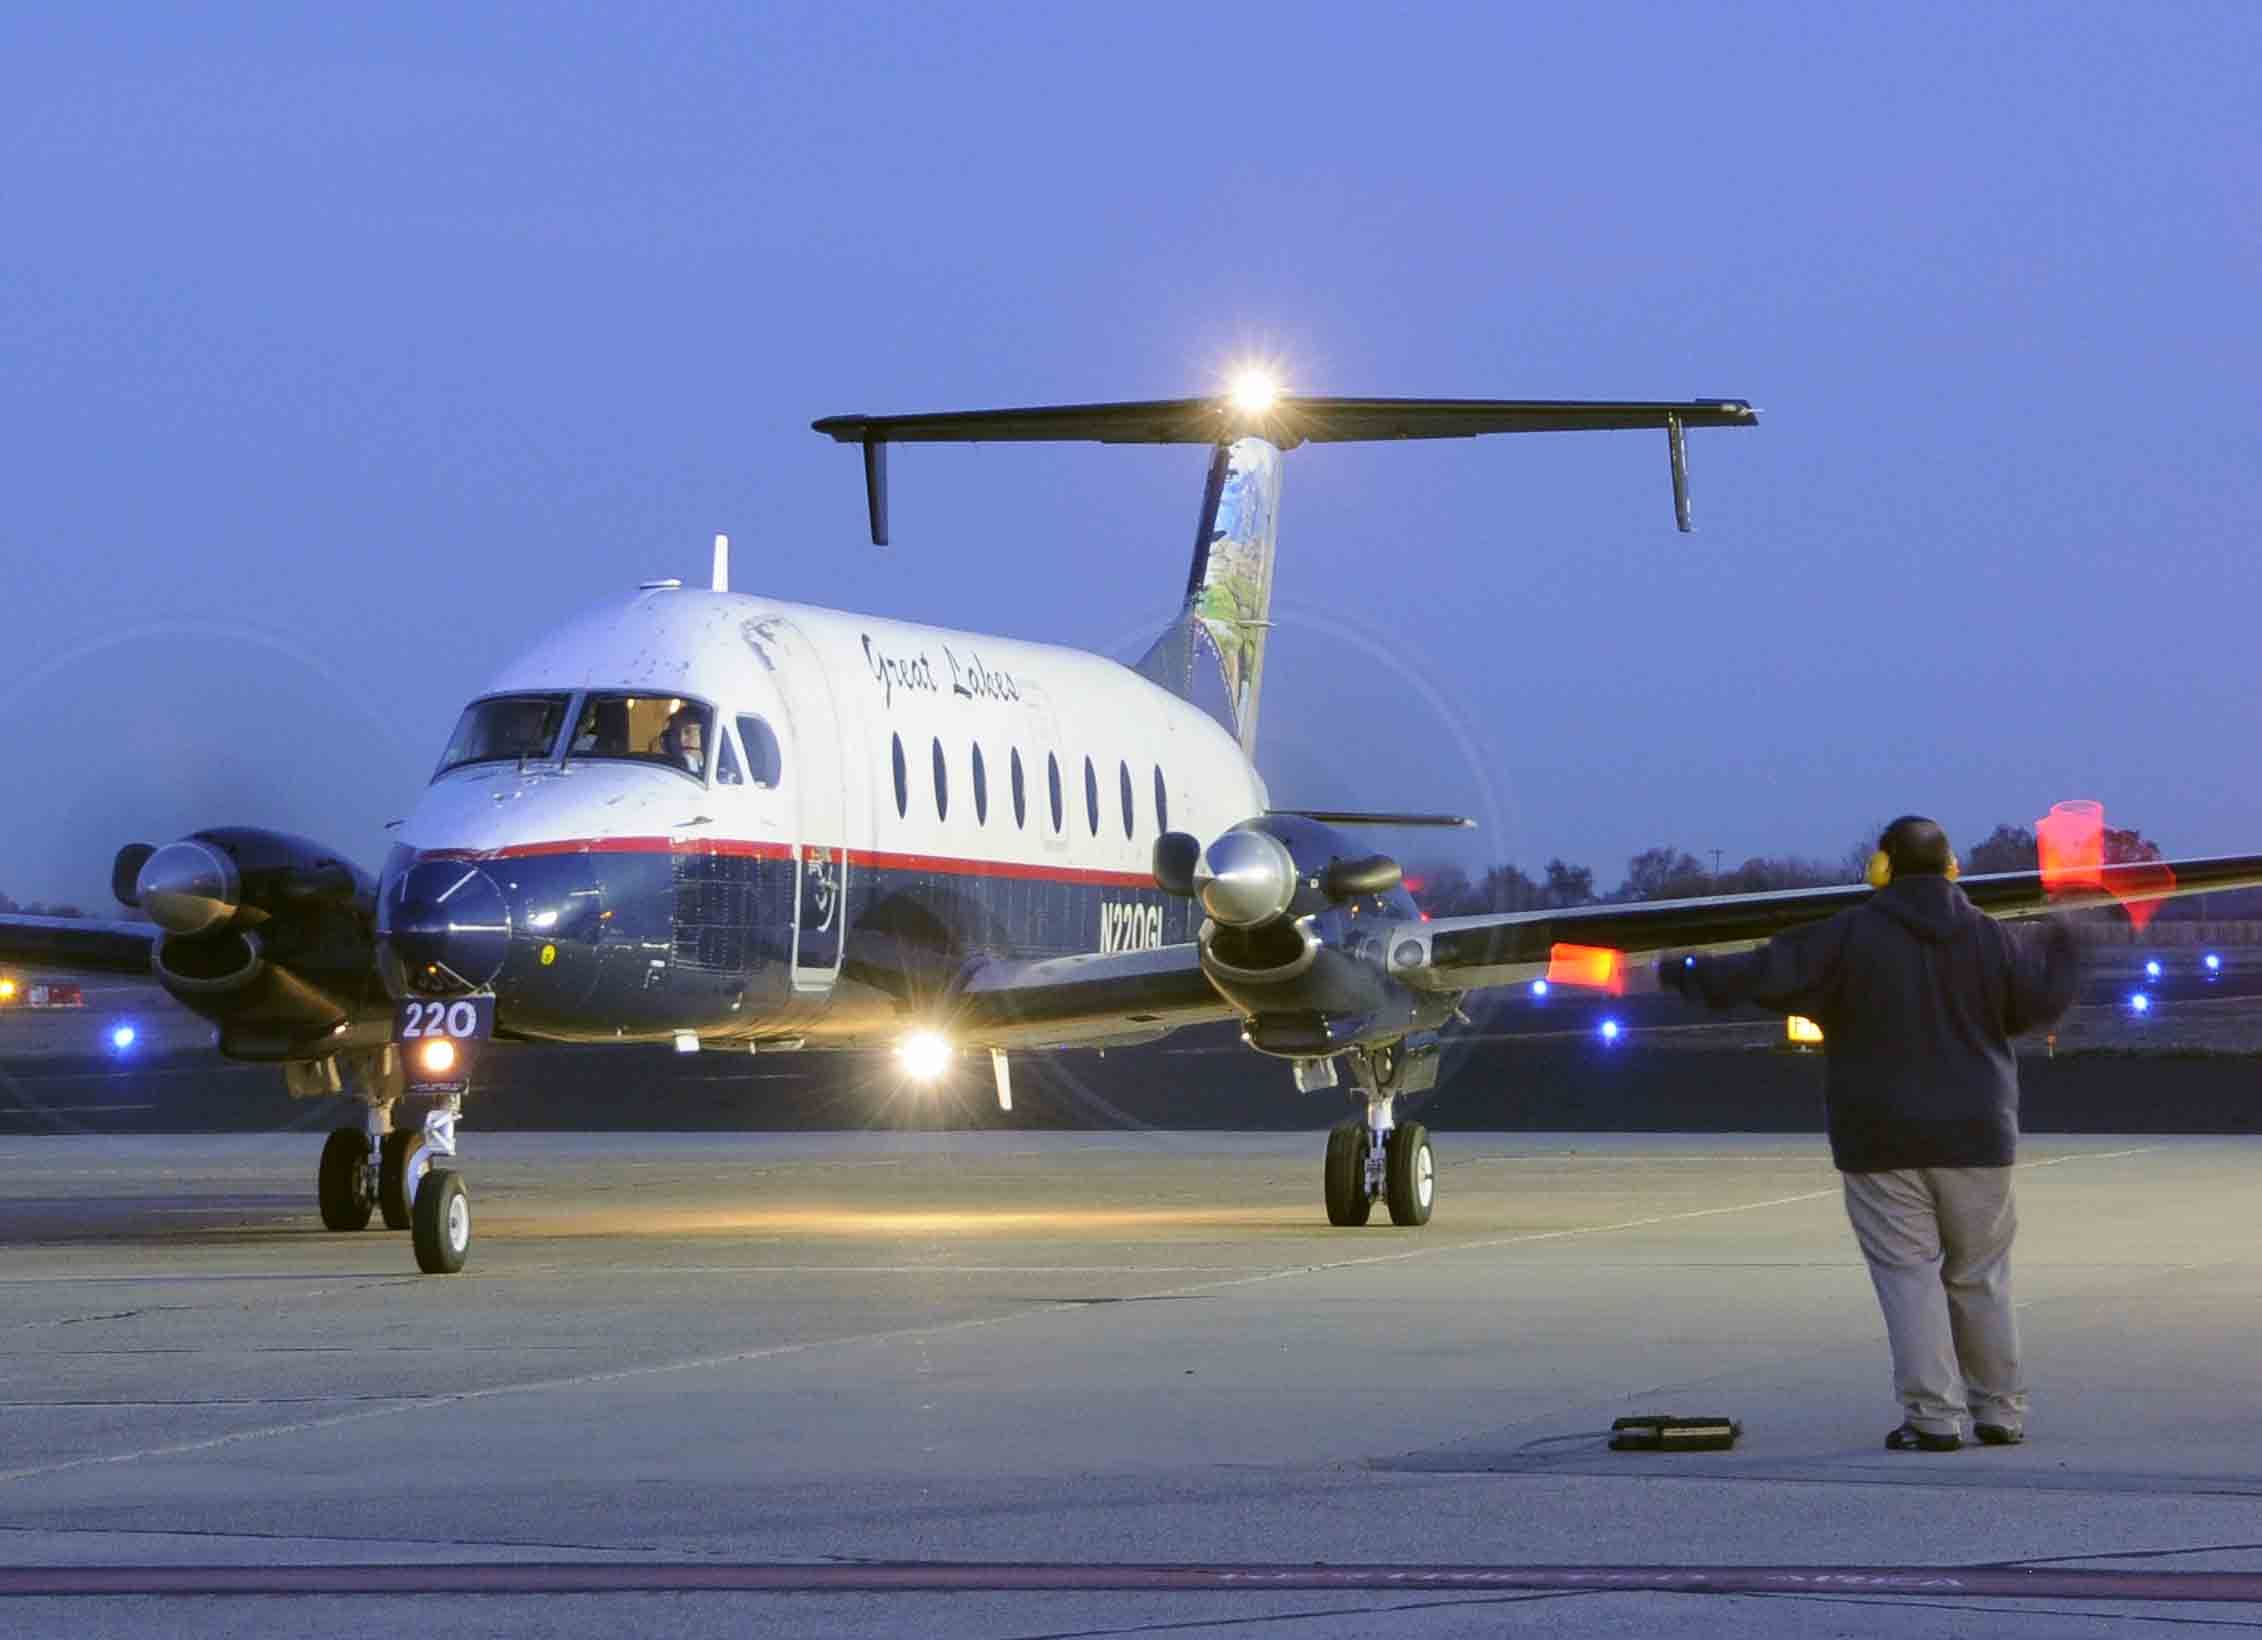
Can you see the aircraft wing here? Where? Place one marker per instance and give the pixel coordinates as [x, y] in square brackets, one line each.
[1507, 948]
[1096, 996]
[77, 945]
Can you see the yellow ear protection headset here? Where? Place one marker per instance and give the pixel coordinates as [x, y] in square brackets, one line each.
[1881, 863]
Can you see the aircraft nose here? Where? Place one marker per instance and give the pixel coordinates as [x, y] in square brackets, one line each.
[447, 924]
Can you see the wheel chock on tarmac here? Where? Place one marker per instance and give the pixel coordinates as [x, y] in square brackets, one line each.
[1664, 1432]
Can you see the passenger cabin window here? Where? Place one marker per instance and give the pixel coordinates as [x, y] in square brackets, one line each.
[1123, 770]
[1092, 796]
[942, 782]
[726, 763]
[505, 728]
[1052, 779]
[663, 729]
[1162, 802]
[1020, 794]
[902, 781]
[765, 762]
[981, 788]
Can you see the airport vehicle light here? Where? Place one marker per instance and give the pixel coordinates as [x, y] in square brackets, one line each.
[2139, 1003]
[1539, 987]
[924, 1055]
[1610, 1030]
[2152, 968]
[437, 1056]
[2214, 963]
[1253, 391]
[122, 1037]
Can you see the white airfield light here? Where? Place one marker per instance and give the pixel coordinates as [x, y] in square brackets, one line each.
[924, 1055]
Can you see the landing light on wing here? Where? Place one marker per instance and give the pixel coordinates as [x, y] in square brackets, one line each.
[924, 1055]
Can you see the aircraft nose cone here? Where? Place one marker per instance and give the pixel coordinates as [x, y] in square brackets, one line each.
[446, 922]
[187, 887]
[1245, 878]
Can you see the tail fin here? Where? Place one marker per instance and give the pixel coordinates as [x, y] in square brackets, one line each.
[1228, 608]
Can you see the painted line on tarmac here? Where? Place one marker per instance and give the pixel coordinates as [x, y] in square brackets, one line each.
[963, 1577]
[614, 1375]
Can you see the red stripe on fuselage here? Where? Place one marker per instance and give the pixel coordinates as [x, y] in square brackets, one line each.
[870, 859]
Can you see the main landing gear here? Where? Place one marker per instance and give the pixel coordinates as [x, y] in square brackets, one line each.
[374, 1168]
[1374, 1156]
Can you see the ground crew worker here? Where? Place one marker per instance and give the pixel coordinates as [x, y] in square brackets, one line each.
[1918, 994]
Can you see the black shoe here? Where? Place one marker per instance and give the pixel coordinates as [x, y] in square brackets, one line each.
[1909, 1438]
[1999, 1435]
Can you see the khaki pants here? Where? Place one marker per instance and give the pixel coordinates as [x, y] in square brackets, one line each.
[1938, 1242]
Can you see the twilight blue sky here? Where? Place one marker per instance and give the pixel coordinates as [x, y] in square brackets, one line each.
[339, 355]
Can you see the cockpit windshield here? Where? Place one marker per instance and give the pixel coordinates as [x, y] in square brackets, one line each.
[505, 728]
[644, 729]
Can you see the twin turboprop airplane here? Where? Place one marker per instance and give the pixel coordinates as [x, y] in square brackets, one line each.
[718, 820]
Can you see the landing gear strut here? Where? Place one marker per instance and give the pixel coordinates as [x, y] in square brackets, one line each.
[1375, 1155]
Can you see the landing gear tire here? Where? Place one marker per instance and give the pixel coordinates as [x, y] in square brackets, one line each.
[341, 1182]
[402, 1159]
[1347, 1200]
[1410, 1174]
[442, 1227]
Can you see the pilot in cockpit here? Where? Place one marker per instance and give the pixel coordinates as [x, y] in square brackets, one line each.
[683, 741]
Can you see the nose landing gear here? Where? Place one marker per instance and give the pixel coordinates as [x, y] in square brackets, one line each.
[378, 1169]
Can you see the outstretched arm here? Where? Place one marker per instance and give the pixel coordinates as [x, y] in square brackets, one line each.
[1793, 973]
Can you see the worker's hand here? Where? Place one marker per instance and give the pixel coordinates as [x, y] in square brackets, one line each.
[1675, 972]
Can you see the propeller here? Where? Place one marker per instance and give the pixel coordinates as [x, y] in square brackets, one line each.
[1249, 876]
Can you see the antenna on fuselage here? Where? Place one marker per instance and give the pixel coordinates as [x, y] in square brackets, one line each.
[722, 563]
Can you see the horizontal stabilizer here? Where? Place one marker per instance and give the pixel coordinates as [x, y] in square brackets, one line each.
[1352, 817]
[1283, 422]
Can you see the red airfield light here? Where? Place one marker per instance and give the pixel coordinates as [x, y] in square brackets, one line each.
[1590, 967]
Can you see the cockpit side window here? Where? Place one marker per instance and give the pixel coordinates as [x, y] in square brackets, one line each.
[663, 729]
[765, 760]
[505, 728]
[726, 763]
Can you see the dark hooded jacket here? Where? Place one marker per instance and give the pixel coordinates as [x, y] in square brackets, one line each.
[1918, 994]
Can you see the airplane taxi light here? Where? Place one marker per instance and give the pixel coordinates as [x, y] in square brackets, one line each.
[436, 1056]
[924, 1055]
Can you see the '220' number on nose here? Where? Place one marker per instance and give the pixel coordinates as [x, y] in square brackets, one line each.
[439, 1019]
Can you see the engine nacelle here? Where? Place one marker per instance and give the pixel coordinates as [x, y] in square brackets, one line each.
[1293, 909]
[267, 935]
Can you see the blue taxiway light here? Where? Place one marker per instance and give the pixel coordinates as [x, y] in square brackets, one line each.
[2214, 963]
[1539, 987]
[2152, 969]
[1610, 1030]
[122, 1037]
[2139, 1003]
